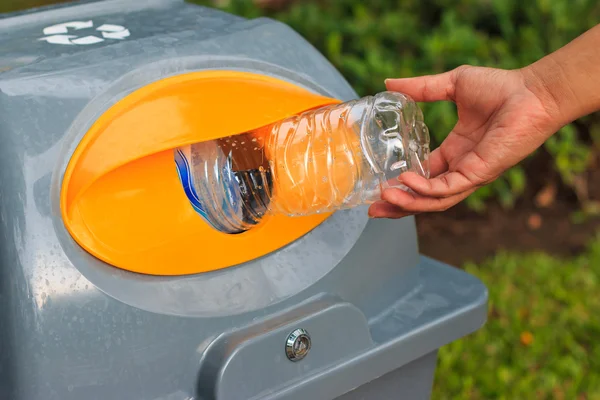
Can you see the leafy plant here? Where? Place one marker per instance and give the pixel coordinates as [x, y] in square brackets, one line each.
[371, 41]
[540, 340]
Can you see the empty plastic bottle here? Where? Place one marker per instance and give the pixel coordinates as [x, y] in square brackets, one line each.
[322, 160]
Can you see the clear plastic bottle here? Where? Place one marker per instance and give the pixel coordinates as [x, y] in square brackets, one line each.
[322, 160]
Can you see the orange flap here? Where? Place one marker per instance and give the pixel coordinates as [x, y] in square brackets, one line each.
[121, 197]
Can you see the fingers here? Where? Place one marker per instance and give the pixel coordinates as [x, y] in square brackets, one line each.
[437, 163]
[397, 204]
[383, 209]
[411, 203]
[445, 185]
[437, 194]
[425, 88]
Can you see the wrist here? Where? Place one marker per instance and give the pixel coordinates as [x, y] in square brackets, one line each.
[567, 81]
[547, 80]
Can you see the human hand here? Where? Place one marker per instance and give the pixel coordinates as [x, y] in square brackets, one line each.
[501, 120]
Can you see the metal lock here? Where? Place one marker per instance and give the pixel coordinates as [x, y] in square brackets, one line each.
[297, 345]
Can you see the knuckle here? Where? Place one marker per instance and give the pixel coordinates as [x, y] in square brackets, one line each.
[426, 87]
[461, 69]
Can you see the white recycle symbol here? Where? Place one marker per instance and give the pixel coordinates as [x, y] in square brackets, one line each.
[59, 34]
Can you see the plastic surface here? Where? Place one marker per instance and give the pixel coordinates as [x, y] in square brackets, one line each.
[412, 381]
[121, 199]
[322, 160]
[73, 327]
[348, 348]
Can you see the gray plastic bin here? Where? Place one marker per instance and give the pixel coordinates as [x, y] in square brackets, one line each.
[72, 327]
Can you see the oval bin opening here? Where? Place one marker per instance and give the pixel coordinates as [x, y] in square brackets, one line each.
[121, 198]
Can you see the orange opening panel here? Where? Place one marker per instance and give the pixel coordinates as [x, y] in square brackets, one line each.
[121, 198]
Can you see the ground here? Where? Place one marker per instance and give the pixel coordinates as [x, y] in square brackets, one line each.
[460, 235]
[540, 220]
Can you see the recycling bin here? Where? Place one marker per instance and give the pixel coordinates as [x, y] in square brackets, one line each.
[111, 287]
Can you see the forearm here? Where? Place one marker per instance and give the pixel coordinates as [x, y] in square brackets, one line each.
[568, 80]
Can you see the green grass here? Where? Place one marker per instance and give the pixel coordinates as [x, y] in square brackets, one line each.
[542, 338]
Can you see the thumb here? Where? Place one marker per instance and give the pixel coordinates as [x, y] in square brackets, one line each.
[425, 88]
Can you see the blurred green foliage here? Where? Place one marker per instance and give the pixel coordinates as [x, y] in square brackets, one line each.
[541, 338]
[371, 41]
[19, 5]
